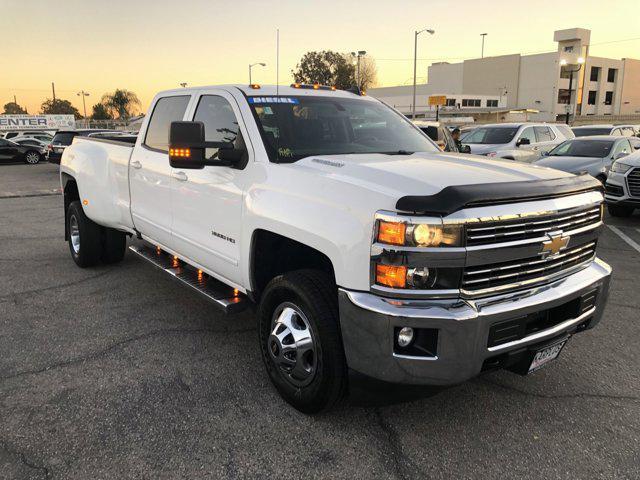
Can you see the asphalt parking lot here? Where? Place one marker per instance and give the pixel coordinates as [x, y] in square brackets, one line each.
[118, 372]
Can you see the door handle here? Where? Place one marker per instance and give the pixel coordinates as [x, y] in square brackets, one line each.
[180, 176]
[136, 164]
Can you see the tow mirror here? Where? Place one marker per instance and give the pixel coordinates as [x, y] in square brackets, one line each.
[186, 145]
[465, 149]
[523, 141]
[187, 148]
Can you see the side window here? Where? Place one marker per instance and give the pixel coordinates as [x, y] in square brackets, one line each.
[3, 142]
[616, 132]
[622, 147]
[220, 123]
[166, 110]
[528, 133]
[544, 134]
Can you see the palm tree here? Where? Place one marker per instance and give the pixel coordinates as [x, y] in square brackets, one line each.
[120, 103]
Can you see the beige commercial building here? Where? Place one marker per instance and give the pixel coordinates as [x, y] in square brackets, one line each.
[539, 82]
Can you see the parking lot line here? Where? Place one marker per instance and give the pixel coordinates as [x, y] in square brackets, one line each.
[624, 237]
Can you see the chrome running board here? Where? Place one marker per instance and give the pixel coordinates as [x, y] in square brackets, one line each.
[221, 295]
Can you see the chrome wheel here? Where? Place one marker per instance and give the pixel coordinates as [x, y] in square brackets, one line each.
[292, 346]
[32, 157]
[74, 234]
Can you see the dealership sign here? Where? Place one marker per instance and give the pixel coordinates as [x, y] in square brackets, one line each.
[37, 122]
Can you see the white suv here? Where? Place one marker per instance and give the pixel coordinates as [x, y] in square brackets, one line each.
[516, 141]
[622, 190]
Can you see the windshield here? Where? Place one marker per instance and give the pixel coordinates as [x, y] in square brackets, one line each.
[586, 132]
[583, 148]
[296, 127]
[491, 135]
[63, 138]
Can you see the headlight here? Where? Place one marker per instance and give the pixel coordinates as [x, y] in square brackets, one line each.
[619, 167]
[429, 234]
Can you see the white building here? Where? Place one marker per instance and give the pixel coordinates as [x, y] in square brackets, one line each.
[540, 82]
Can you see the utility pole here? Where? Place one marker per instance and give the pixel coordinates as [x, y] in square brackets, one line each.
[415, 62]
[482, 35]
[359, 54]
[572, 69]
[53, 88]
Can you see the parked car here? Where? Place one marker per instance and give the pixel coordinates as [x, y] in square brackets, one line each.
[63, 139]
[515, 141]
[441, 135]
[616, 130]
[12, 152]
[40, 135]
[32, 142]
[592, 155]
[366, 250]
[622, 190]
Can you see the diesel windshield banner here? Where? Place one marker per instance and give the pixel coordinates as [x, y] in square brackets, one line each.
[37, 122]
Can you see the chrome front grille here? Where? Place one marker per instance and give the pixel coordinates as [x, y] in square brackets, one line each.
[485, 233]
[633, 182]
[513, 274]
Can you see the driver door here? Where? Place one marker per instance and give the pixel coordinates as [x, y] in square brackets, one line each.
[208, 203]
[526, 152]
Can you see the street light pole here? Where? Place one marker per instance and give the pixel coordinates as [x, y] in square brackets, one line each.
[83, 94]
[564, 63]
[415, 62]
[358, 55]
[251, 65]
[482, 35]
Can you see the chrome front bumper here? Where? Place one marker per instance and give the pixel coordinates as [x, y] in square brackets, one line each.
[463, 326]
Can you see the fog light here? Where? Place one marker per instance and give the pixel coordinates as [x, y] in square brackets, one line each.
[405, 336]
[421, 277]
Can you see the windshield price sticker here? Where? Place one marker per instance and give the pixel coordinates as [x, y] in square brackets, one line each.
[290, 100]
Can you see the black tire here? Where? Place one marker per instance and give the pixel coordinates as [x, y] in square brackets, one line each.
[315, 295]
[32, 157]
[619, 210]
[86, 252]
[114, 245]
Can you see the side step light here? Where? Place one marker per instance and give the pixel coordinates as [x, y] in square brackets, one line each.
[228, 299]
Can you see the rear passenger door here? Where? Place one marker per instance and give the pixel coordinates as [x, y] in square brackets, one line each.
[546, 139]
[150, 172]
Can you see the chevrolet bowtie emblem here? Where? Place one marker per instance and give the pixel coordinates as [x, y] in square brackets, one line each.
[556, 243]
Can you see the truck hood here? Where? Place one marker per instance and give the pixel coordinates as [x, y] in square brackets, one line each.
[421, 173]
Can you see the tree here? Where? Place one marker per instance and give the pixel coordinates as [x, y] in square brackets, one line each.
[12, 108]
[120, 103]
[59, 106]
[368, 73]
[325, 68]
[100, 112]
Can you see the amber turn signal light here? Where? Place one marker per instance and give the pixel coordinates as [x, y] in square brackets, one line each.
[391, 276]
[391, 232]
[180, 152]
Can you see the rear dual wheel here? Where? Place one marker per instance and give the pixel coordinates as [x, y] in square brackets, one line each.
[89, 243]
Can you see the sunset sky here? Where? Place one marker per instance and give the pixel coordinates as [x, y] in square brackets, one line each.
[151, 45]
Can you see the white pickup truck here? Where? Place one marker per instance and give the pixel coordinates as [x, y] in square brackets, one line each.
[368, 253]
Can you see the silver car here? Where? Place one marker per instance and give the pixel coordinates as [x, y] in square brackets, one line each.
[593, 155]
[516, 141]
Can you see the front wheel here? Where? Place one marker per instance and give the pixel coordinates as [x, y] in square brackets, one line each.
[299, 335]
[32, 157]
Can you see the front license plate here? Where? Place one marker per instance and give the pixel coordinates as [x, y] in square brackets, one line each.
[546, 355]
